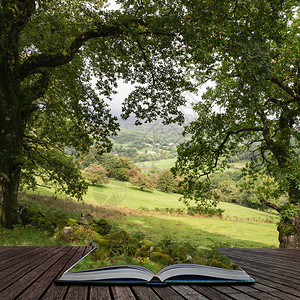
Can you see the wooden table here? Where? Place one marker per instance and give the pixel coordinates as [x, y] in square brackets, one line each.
[29, 273]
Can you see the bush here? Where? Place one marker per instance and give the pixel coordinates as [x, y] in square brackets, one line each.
[142, 181]
[166, 181]
[96, 174]
[207, 211]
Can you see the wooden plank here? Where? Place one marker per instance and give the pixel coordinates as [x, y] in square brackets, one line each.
[144, 292]
[281, 263]
[17, 271]
[99, 293]
[265, 269]
[284, 296]
[12, 252]
[122, 293]
[18, 286]
[188, 292]
[244, 292]
[19, 260]
[281, 286]
[58, 291]
[268, 268]
[38, 288]
[210, 293]
[77, 292]
[167, 293]
[277, 257]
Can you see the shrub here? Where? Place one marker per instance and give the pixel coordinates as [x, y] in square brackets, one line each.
[166, 181]
[142, 181]
[96, 174]
[208, 211]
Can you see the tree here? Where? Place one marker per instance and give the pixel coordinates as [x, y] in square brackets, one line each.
[166, 181]
[96, 174]
[258, 189]
[142, 181]
[255, 101]
[49, 52]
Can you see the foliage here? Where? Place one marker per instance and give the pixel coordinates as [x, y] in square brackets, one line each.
[143, 181]
[49, 53]
[96, 174]
[254, 100]
[208, 211]
[166, 181]
[258, 189]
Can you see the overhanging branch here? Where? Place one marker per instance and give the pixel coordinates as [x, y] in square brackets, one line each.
[269, 204]
[286, 88]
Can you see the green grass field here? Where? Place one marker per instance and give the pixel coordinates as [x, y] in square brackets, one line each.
[204, 232]
[123, 194]
[169, 163]
[161, 164]
[234, 230]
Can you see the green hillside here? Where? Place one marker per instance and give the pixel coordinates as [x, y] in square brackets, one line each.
[123, 194]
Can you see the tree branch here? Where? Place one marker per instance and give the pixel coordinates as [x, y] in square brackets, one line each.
[103, 31]
[286, 88]
[147, 63]
[231, 132]
[270, 205]
[47, 60]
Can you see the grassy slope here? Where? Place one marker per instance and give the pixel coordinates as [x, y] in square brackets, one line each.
[123, 194]
[162, 164]
[203, 232]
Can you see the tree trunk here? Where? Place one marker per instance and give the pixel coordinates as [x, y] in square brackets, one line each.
[11, 132]
[289, 235]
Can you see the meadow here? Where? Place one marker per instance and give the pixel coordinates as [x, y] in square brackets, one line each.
[239, 227]
[161, 164]
[124, 195]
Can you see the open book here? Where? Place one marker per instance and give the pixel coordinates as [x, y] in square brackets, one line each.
[134, 274]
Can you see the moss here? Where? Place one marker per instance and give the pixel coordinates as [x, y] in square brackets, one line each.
[100, 221]
[103, 251]
[218, 264]
[98, 229]
[158, 249]
[148, 244]
[180, 253]
[142, 252]
[71, 222]
[160, 257]
[35, 217]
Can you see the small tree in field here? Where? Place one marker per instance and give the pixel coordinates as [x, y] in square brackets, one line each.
[166, 181]
[96, 174]
[142, 181]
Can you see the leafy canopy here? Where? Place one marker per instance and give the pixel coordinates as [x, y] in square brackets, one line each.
[70, 56]
[254, 103]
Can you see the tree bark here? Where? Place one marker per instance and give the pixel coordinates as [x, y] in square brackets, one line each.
[289, 236]
[11, 132]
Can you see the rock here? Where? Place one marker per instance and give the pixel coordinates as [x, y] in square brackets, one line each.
[158, 249]
[100, 221]
[68, 230]
[85, 220]
[160, 257]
